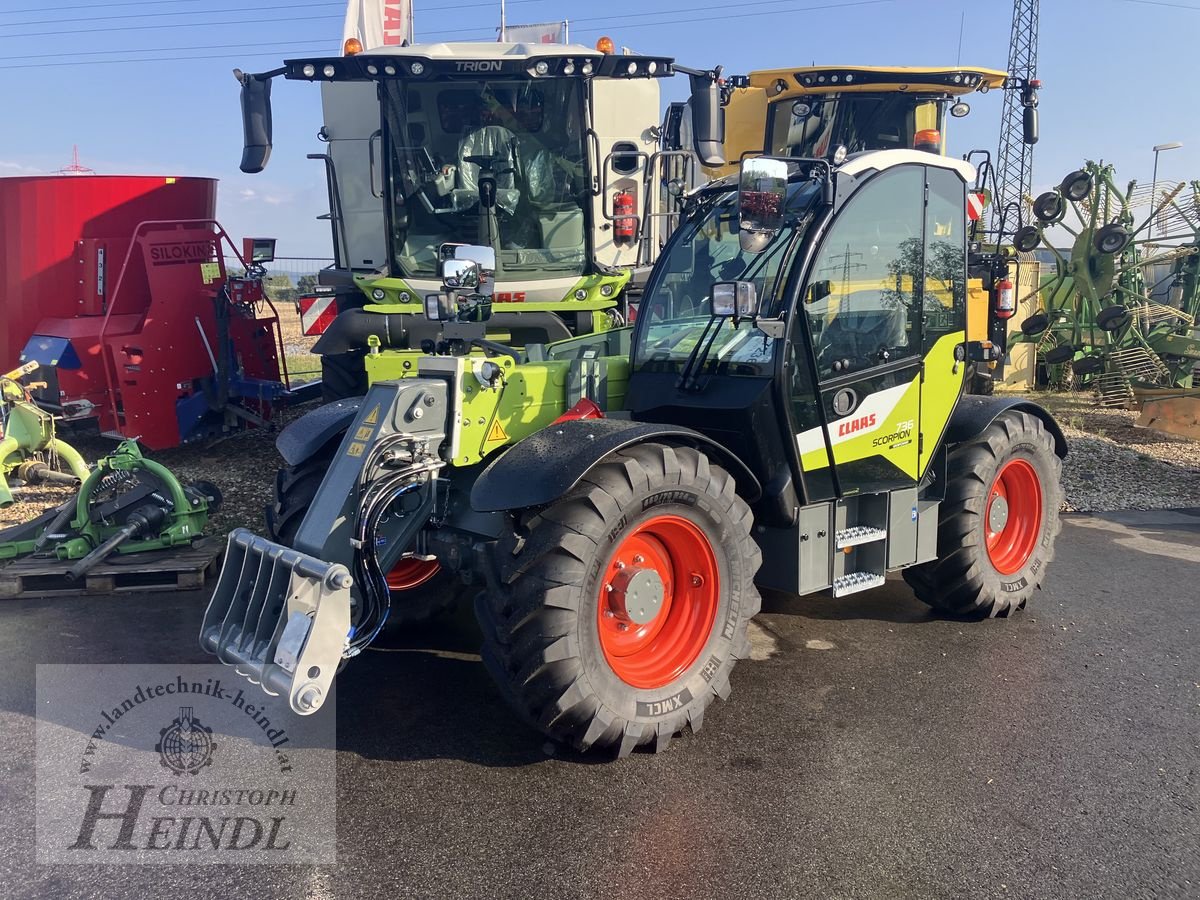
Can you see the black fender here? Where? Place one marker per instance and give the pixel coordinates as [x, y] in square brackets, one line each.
[546, 465]
[303, 437]
[974, 414]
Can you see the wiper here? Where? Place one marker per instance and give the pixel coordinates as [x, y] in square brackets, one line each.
[689, 378]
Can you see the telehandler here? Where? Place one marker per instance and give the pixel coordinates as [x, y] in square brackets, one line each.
[786, 413]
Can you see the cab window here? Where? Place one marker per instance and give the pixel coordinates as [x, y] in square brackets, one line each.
[945, 297]
[862, 295]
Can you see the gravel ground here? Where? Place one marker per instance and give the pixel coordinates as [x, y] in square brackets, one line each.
[1113, 465]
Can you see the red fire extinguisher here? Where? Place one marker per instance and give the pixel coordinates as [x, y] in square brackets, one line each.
[624, 216]
[1006, 299]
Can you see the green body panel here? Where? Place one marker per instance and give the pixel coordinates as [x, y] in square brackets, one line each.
[928, 403]
[29, 430]
[593, 285]
[528, 398]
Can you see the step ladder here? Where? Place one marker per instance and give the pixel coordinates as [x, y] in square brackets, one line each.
[860, 543]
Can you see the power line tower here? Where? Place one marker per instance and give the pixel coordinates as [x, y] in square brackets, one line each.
[1014, 162]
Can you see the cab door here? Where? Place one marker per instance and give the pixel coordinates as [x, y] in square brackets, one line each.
[862, 303]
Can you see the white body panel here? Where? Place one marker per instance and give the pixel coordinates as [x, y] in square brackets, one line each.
[624, 111]
[351, 113]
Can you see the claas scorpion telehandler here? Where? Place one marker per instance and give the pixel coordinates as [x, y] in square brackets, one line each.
[786, 413]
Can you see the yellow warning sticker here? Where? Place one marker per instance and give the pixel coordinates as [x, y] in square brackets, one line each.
[356, 449]
[364, 433]
[497, 432]
[210, 272]
[373, 417]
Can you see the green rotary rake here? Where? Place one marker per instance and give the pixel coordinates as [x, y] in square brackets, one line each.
[1119, 311]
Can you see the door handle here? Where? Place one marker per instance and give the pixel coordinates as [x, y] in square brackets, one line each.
[378, 135]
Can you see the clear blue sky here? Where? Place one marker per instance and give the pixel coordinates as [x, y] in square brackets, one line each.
[161, 99]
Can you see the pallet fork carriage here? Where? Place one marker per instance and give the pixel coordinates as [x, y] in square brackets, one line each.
[787, 412]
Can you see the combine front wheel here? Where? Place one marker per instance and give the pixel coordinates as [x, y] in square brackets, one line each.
[998, 522]
[623, 606]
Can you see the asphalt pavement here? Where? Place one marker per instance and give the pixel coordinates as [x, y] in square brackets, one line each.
[869, 750]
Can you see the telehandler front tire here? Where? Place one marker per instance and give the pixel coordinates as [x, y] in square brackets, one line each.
[623, 606]
[998, 523]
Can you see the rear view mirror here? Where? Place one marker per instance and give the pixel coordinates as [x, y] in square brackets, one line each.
[708, 120]
[256, 121]
[1029, 125]
[456, 265]
[736, 299]
[762, 189]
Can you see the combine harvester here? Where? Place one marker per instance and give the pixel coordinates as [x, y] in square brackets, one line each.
[116, 287]
[547, 153]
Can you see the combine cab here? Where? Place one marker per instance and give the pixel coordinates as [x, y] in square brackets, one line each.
[548, 154]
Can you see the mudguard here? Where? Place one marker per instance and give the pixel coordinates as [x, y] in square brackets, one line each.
[973, 414]
[306, 435]
[546, 465]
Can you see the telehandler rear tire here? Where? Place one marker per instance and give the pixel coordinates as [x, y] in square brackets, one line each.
[623, 606]
[420, 591]
[997, 525]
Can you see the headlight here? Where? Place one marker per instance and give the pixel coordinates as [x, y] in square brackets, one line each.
[569, 68]
[581, 294]
[389, 70]
[329, 71]
[379, 293]
[542, 67]
[372, 70]
[631, 69]
[405, 296]
[417, 67]
[309, 70]
[587, 68]
[607, 289]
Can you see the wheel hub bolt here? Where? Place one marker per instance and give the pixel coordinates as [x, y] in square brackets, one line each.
[697, 581]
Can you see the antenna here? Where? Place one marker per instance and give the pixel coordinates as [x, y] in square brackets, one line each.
[75, 168]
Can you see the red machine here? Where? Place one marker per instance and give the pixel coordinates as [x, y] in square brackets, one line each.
[117, 286]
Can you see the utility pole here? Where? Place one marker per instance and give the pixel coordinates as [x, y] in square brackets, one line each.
[1014, 162]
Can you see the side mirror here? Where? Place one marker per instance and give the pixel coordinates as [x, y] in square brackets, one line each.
[461, 274]
[1029, 125]
[762, 190]
[735, 299]
[483, 281]
[708, 120]
[818, 291]
[256, 121]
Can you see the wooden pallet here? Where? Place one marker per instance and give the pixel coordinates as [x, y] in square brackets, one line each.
[181, 569]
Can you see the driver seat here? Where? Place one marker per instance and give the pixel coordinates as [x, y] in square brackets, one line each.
[498, 143]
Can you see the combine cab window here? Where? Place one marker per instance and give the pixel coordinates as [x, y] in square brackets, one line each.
[497, 162]
[856, 121]
[862, 288]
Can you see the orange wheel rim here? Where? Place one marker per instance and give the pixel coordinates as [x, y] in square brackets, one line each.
[658, 600]
[411, 573]
[1013, 516]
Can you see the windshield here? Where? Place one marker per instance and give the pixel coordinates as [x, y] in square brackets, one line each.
[813, 127]
[452, 142]
[674, 312]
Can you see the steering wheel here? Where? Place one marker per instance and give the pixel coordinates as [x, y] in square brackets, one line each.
[487, 164]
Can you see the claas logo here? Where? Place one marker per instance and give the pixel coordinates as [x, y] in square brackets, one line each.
[850, 426]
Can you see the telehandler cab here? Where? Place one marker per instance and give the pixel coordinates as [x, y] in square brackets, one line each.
[786, 413]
